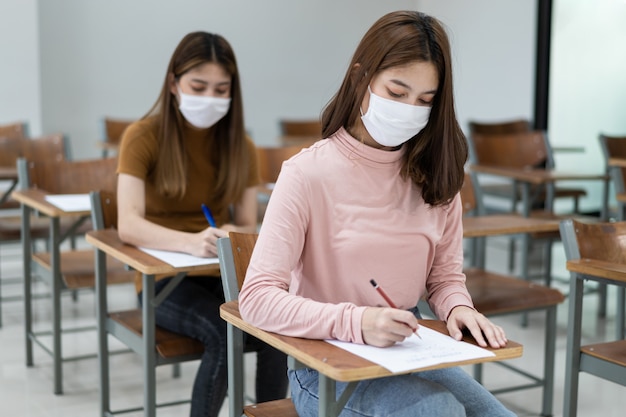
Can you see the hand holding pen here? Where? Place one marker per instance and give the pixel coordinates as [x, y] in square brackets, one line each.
[388, 300]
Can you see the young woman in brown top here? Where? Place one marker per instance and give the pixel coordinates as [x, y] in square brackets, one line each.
[191, 149]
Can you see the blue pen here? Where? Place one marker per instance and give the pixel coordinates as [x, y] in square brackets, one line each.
[208, 215]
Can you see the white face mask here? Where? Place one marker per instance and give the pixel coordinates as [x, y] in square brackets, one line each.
[391, 123]
[202, 111]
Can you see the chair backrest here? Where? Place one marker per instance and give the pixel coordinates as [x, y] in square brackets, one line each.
[312, 127]
[471, 197]
[600, 241]
[10, 150]
[14, 130]
[271, 160]
[44, 148]
[113, 129]
[615, 147]
[103, 209]
[514, 150]
[68, 177]
[497, 128]
[234, 253]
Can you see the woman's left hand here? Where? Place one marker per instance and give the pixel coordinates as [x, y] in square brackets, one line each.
[484, 331]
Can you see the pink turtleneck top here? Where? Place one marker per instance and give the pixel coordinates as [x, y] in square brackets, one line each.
[341, 215]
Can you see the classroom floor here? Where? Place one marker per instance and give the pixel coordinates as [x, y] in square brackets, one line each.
[28, 391]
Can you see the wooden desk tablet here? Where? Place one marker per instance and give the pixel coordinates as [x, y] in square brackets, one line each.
[335, 364]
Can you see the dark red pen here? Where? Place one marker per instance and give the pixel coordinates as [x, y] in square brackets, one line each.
[387, 299]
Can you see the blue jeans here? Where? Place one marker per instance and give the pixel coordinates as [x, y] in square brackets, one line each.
[192, 309]
[449, 392]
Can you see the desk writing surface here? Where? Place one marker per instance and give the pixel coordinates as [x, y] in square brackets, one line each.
[70, 202]
[36, 199]
[535, 175]
[109, 242]
[505, 224]
[596, 268]
[340, 365]
[617, 162]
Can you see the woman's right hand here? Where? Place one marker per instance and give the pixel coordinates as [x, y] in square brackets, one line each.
[384, 326]
[204, 243]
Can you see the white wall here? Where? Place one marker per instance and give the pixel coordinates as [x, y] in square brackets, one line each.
[109, 57]
[493, 48]
[19, 65]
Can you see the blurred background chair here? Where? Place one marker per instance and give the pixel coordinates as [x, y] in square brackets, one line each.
[300, 132]
[63, 269]
[51, 147]
[614, 147]
[112, 130]
[270, 160]
[614, 151]
[520, 147]
[14, 130]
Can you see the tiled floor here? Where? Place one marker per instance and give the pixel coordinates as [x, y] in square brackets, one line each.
[28, 391]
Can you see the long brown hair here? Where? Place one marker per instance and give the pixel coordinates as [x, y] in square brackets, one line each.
[231, 154]
[434, 158]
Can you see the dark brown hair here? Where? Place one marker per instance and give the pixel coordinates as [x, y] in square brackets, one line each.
[231, 154]
[433, 159]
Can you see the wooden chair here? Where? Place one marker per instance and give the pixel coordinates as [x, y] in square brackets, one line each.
[519, 148]
[50, 147]
[497, 294]
[594, 252]
[615, 147]
[170, 347]
[14, 130]
[270, 160]
[112, 130]
[524, 150]
[333, 364]
[300, 132]
[234, 253]
[61, 269]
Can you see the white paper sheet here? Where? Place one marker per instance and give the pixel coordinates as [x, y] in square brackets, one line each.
[432, 349]
[70, 202]
[179, 259]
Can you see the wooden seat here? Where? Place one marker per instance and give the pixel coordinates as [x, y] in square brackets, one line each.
[301, 132]
[498, 294]
[169, 345]
[77, 268]
[61, 269]
[234, 253]
[112, 130]
[594, 251]
[270, 160]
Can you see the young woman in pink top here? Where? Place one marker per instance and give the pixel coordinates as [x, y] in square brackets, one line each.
[377, 199]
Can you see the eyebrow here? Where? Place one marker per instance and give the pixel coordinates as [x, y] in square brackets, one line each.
[408, 87]
[198, 80]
